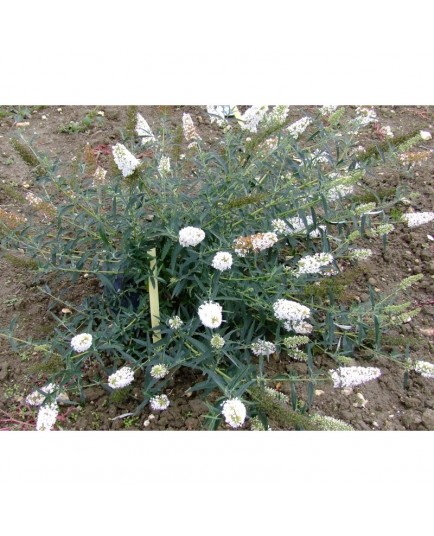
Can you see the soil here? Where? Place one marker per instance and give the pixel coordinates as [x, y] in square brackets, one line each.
[379, 405]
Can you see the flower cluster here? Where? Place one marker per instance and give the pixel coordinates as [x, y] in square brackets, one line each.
[164, 166]
[217, 342]
[295, 225]
[365, 208]
[38, 397]
[191, 236]
[414, 219]
[175, 322]
[99, 177]
[327, 109]
[365, 116]
[302, 327]
[222, 261]
[257, 426]
[290, 310]
[261, 347]
[296, 129]
[10, 219]
[277, 395]
[159, 402]
[218, 113]
[121, 378]
[298, 355]
[324, 422]
[424, 368]
[234, 412]
[81, 343]
[359, 254]
[387, 131]
[312, 264]
[47, 416]
[125, 161]
[189, 129]
[33, 199]
[159, 371]
[384, 229]
[144, 130]
[339, 191]
[353, 376]
[257, 242]
[210, 314]
[252, 117]
[276, 116]
[425, 135]
[296, 340]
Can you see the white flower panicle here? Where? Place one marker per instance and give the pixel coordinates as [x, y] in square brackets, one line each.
[210, 314]
[414, 219]
[296, 340]
[217, 342]
[296, 129]
[424, 368]
[261, 347]
[218, 113]
[365, 208]
[339, 191]
[164, 166]
[387, 131]
[359, 254]
[121, 378]
[263, 241]
[353, 376]
[425, 135]
[222, 261]
[277, 395]
[47, 416]
[252, 117]
[257, 242]
[38, 397]
[159, 371]
[191, 236]
[234, 412]
[125, 161]
[144, 130]
[280, 227]
[257, 426]
[159, 402]
[312, 264]
[324, 422]
[33, 199]
[190, 132]
[364, 116]
[327, 109]
[99, 177]
[276, 116]
[295, 225]
[175, 322]
[290, 311]
[81, 343]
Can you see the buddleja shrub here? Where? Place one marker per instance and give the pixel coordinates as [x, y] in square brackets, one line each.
[214, 260]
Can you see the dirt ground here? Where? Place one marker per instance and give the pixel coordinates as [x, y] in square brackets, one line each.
[386, 404]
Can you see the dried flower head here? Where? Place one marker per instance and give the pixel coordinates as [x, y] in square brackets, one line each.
[191, 236]
[99, 177]
[11, 220]
[210, 314]
[257, 242]
[222, 261]
[353, 376]
[126, 162]
[234, 412]
[159, 402]
[159, 371]
[81, 343]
